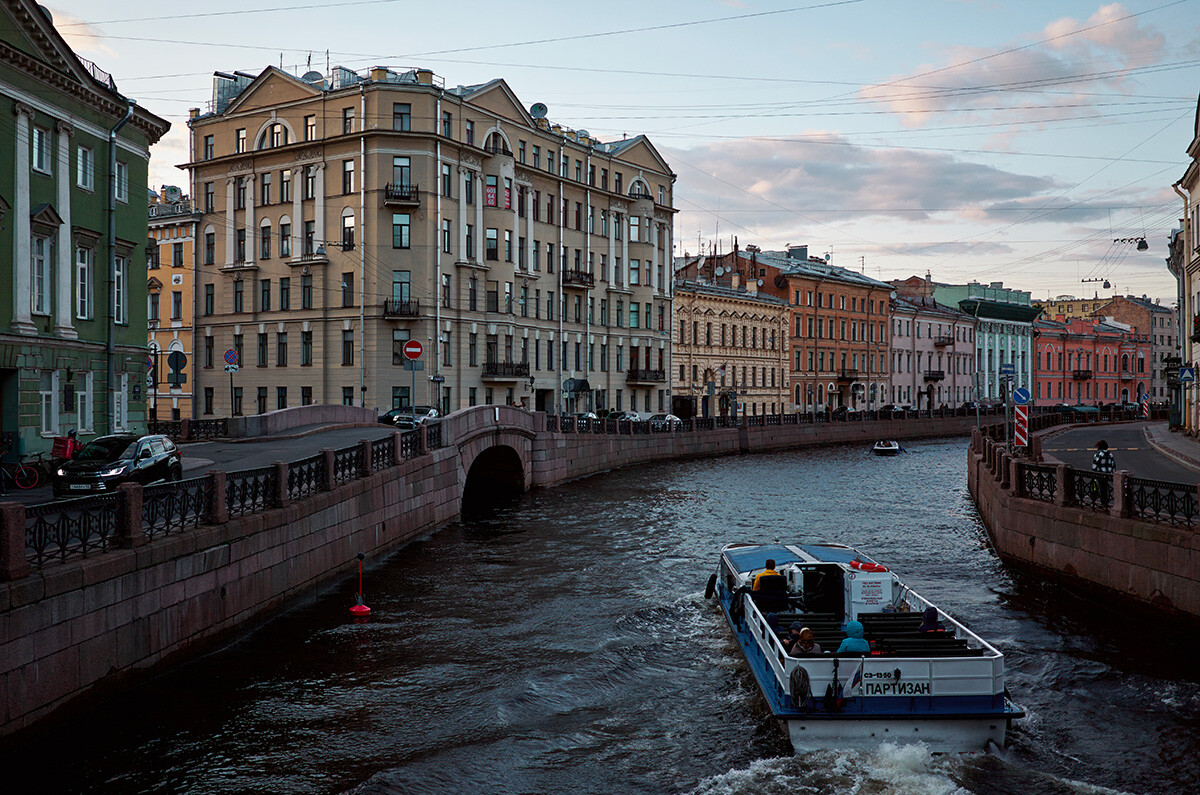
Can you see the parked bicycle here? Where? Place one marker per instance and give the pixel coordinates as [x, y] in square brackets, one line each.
[23, 475]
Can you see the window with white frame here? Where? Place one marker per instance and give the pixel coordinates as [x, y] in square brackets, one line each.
[39, 266]
[121, 291]
[85, 403]
[85, 168]
[121, 404]
[47, 390]
[41, 150]
[85, 282]
[122, 181]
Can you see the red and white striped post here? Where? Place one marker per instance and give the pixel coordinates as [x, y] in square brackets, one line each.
[1021, 426]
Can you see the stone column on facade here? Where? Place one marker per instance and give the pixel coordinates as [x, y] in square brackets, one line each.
[230, 225]
[516, 226]
[64, 256]
[652, 227]
[22, 322]
[319, 214]
[297, 212]
[464, 180]
[529, 211]
[251, 231]
[612, 247]
[480, 236]
[625, 248]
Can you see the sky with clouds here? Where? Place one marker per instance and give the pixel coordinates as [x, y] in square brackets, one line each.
[1009, 140]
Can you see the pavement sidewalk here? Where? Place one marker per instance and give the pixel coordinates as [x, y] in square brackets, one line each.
[1183, 450]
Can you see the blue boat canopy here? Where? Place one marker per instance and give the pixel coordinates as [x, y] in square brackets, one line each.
[752, 558]
[833, 554]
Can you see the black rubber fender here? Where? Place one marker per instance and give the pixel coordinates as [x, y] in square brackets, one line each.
[711, 588]
[801, 688]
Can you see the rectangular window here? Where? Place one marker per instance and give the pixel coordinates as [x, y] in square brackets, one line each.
[264, 189]
[239, 194]
[264, 295]
[492, 251]
[447, 181]
[208, 351]
[400, 230]
[447, 238]
[264, 242]
[210, 198]
[310, 127]
[306, 348]
[401, 172]
[347, 176]
[310, 182]
[237, 401]
[239, 140]
[285, 185]
[281, 397]
[41, 150]
[121, 291]
[85, 168]
[310, 237]
[470, 133]
[347, 347]
[347, 121]
[262, 350]
[285, 293]
[208, 148]
[176, 305]
[85, 282]
[122, 181]
[347, 233]
[285, 240]
[447, 124]
[239, 297]
[152, 307]
[209, 299]
[239, 245]
[306, 292]
[401, 116]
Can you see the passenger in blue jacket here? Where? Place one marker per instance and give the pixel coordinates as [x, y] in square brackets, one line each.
[853, 642]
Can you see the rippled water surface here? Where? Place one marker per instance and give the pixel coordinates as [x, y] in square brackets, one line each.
[565, 645]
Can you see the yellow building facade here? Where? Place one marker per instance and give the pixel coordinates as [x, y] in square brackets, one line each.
[171, 302]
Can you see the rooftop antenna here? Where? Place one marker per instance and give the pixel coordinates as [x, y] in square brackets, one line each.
[327, 62]
[862, 265]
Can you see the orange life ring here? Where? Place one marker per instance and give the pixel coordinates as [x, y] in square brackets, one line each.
[863, 565]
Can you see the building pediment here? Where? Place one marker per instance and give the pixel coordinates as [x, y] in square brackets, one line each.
[497, 97]
[272, 87]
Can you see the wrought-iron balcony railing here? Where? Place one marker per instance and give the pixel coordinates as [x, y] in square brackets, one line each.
[646, 376]
[935, 375]
[393, 307]
[943, 340]
[847, 375]
[1082, 375]
[506, 370]
[497, 149]
[638, 193]
[578, 278]
[398, 193]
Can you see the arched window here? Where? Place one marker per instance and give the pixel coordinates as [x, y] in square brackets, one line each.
[1125, 362]
[264, 239]
[347, 229]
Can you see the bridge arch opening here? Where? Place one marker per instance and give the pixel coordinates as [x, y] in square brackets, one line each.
[496, 478]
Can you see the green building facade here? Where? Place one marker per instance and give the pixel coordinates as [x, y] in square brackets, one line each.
[73, 349]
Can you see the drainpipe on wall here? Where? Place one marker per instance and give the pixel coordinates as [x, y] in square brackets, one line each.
[1181, 313]
[111, 210]
[435, 387]
[362, 252]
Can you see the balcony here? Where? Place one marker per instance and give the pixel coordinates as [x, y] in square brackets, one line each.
[646, 376]
[1082, 375]
[496, 146]
[505, 371]
[318, 257]
[395, 308]
[399, 194]
[943, 341]
[575, 278]
[846, 376]
[935, 375]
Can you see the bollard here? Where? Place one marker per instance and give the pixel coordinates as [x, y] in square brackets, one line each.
[13, 563]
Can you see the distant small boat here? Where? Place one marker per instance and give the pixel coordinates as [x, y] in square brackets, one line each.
[886, 448]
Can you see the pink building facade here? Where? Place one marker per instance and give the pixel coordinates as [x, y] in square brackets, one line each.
[1087, 361]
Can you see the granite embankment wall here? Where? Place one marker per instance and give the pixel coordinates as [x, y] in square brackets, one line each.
[1153, 565]
[78, 629]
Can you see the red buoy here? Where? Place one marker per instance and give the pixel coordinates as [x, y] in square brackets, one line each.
[359, 608]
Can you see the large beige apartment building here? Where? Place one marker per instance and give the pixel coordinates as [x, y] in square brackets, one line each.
[344, 215]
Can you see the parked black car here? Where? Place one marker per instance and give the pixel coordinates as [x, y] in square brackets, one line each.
[108, 461]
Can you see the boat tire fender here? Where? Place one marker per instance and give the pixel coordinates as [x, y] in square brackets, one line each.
[801, 688]
[711, 587]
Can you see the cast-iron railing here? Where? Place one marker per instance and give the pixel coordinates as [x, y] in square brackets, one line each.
[1090, 489]
[306, 476]
[171, 507]
[347, 464]
[433, 435]
[170, 428]
[1038, 481]
[1161, 501]
[250, 490]
[410, 444]
[64, 529]
[383, 453]
[208, 429]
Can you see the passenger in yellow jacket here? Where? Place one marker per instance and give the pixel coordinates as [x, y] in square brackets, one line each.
[767, 572]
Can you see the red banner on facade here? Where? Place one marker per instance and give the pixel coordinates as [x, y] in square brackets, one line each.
[489, 195]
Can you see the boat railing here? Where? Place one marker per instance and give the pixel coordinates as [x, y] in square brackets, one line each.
[961, 630]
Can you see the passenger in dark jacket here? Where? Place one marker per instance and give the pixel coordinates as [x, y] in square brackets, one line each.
[930, 622]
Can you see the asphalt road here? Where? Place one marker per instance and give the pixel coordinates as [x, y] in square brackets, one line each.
[1128, 443]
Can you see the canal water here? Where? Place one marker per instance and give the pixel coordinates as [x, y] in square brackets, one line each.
[563, 644]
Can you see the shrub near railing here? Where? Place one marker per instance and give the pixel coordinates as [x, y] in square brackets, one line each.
[1161, 501]
[170, 507]
[60, 530]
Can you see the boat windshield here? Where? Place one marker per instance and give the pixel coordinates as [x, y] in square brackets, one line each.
[753, 558]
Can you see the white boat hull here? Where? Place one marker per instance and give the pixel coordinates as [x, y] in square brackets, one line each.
[944, 736]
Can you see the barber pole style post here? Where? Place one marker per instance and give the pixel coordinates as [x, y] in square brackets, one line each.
[1021, 426]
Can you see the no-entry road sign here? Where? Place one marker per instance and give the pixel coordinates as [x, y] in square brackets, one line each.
[413, 350]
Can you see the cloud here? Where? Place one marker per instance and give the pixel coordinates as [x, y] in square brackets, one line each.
[82, 37]
[1073, 62]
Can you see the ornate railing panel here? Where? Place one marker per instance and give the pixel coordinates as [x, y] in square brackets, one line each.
[171, 507]
[208, 429]
[433, 435]
[250, 490]
[347, 464]
[1090, 489]
[306, 476]
[567, 424]
[383, 453]
[1160, 501]
[170, 428]
[410, 444]
[552, 423]
[60, 530]
[1038, 482]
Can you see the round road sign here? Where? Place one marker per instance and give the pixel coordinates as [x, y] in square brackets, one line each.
[1021, 396]
[412, 350]
[231, 356]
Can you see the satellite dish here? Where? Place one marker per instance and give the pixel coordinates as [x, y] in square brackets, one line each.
[538, 111]
[313, 77]
[583, 133]
[719, 271]
[780, 281]
[760, 282]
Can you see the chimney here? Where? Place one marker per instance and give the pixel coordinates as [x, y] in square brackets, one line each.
[379, 73]
[752, 285]
[735, 279]
[425, 77]
[798, 252]
[193, 113]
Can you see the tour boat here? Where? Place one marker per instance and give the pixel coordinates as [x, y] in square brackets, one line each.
[944, 688]
[886, 448]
